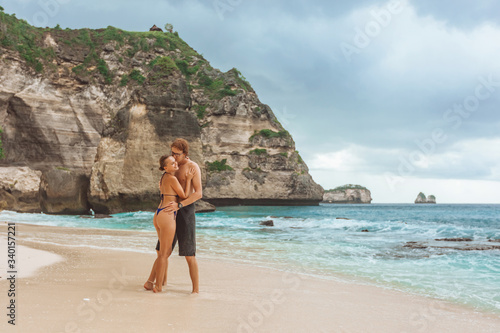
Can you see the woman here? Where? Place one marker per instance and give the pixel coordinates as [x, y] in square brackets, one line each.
[164, 222]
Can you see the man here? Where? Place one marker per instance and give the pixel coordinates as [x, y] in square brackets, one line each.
[185, 233]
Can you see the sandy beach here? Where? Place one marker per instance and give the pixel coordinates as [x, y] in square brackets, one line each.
[73, 288]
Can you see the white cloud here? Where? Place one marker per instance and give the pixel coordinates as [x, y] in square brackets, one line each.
[343, 160]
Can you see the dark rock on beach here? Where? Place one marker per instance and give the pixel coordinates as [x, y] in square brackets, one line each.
[96, 216]
[459, 239]
[415, 245]
[102, 216]
[204, 207]
[268, 223]
[462, 247]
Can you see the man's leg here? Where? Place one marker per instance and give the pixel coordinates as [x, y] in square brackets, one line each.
[193, 273]
[186, 236]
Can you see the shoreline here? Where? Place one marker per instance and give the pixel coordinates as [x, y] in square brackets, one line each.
[337, 276]
[101, 290]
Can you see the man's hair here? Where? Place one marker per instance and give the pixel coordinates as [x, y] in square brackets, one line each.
[181, 144]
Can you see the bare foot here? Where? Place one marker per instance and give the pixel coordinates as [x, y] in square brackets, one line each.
[195, 292]
[157, 289]
[148, 285]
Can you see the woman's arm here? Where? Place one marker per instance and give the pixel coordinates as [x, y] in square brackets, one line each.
[196, 195]
[176, 186]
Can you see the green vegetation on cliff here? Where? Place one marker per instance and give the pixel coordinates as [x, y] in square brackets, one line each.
[215, 89]
[258, 151]
[299, 158]
[19, 35]
[347, 187]
[162, 67]
[267, 133]
[242, 81]
[200, 110]
[218, 166]
[31, 43]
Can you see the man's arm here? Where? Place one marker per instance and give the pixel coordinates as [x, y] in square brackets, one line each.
[195, 196]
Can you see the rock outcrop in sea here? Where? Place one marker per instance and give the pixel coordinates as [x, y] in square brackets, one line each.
[422, 199]
[86, 114]
[348, 194]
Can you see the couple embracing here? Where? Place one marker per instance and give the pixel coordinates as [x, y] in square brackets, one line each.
[174, 220]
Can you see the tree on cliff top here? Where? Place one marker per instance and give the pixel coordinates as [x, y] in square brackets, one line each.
[169, 27]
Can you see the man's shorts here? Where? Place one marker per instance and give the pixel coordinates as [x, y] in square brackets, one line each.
[185, 231]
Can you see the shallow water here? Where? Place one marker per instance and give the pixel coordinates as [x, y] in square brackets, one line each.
[315, 241]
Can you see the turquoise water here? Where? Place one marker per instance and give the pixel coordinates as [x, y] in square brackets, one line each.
[313, 240]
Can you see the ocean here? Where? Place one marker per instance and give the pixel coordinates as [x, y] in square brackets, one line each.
[390, 245]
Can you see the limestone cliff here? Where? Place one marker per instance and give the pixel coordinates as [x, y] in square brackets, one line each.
[93, 110]
[19, 188]
[348, 194]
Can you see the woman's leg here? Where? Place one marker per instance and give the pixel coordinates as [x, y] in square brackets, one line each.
[166, 224]
[152, 276]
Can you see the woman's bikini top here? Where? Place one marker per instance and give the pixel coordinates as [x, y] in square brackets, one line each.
[162, 194]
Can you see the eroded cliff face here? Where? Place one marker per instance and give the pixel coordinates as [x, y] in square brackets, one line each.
[95, 129]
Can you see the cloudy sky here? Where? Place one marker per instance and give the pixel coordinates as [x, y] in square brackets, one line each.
[400, 96]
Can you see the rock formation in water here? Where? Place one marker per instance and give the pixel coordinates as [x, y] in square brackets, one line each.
[348, 194]
[89, 112]
[422, 199]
